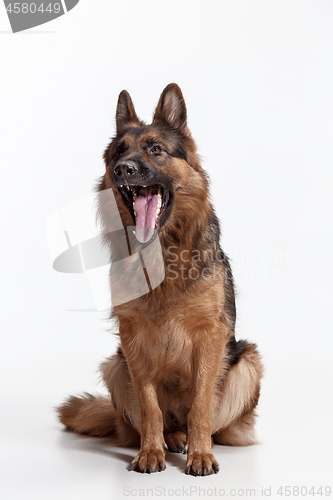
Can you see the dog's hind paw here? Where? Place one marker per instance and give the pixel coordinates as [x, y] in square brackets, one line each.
[201, 464]
[149, 461]
[176, 441]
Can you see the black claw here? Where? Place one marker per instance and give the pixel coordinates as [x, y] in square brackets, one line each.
[216, 467]
[205, 471]
[191, 471]
[161, 466]
[135, 467]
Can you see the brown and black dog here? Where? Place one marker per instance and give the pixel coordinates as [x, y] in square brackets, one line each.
[179, 380]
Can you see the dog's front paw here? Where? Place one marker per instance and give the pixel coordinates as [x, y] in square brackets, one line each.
[201, 464]
[149, 461]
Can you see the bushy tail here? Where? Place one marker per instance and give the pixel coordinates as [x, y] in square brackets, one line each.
[87, 414]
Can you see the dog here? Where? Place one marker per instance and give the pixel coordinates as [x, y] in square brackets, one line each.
[179, 381]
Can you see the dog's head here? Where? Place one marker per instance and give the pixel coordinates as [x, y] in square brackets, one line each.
[154, 169]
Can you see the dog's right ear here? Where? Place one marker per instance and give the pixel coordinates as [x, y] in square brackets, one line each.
[125, 114]
[171, 108]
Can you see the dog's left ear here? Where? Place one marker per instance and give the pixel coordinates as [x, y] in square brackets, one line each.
[171, 108]
[125, 114]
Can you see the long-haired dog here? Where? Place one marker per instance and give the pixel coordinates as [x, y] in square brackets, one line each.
[179, 381]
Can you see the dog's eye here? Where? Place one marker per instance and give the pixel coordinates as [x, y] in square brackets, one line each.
[118, 154]
[156, 149]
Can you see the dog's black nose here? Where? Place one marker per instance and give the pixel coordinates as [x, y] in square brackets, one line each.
[125, 170]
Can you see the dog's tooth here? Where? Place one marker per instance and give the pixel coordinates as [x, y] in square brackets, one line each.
[159, 200]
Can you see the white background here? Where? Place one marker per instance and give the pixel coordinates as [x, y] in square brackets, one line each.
[257, 77]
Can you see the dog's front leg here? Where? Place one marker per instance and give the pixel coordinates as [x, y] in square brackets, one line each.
[200, 460]
[151, 457]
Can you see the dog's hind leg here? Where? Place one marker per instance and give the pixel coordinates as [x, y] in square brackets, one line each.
[233, 415]
[126, 434]
[239, 433]
[118, 380]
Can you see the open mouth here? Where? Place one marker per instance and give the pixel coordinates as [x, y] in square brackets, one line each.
[147, 205]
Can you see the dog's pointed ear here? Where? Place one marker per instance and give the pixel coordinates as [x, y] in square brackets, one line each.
[125, 114]
[171, 108]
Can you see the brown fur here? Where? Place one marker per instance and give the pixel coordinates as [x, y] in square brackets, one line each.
[180, 377]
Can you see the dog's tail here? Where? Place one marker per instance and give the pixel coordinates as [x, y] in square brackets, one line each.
[87, 414]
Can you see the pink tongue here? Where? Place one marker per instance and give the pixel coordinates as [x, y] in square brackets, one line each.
[146, 211]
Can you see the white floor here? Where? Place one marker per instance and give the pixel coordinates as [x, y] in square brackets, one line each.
[42, 461]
